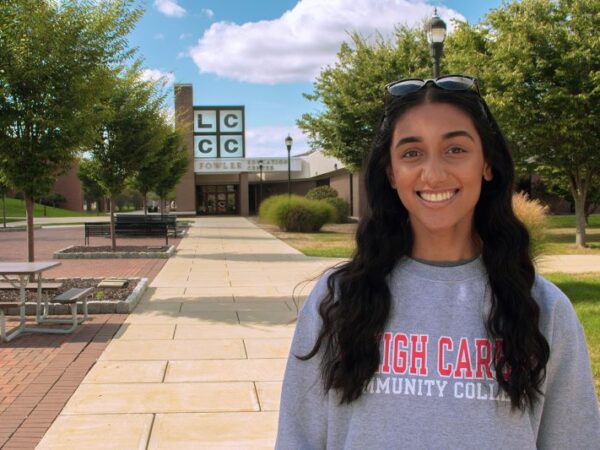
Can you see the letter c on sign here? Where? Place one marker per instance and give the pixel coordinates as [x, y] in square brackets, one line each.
[231, 146]
[202, 148]
[229, 122]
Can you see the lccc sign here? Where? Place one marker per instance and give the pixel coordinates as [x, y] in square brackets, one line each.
[219, 132]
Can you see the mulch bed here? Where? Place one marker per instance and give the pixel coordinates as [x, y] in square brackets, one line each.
[123, 248]
[99, 294]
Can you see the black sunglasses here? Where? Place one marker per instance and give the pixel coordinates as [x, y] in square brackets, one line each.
[457, 83]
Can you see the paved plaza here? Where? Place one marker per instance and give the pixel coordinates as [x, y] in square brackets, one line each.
[199, 363]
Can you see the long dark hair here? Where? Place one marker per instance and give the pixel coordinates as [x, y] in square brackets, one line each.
[357, 304]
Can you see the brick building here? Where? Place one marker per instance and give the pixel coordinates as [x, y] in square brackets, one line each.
[221, 180]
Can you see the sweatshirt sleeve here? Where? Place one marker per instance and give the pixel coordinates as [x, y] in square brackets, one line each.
[303, 408]
[569, 418]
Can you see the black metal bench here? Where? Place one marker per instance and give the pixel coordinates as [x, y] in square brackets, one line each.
[96, 229]
[170, 221]
[143, 229]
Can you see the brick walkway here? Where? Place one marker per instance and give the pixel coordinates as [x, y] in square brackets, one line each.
[13, 247]
[40, 372]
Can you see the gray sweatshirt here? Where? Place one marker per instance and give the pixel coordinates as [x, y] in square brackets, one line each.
[434, 387]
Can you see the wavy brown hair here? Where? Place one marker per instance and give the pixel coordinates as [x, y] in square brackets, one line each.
[357, 304]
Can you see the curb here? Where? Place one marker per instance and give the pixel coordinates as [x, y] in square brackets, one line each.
[94, 306]
[60, 254]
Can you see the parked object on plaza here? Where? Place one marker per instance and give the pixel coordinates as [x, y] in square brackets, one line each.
[23, 271]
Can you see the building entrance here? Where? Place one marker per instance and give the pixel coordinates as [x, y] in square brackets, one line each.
[217, 199]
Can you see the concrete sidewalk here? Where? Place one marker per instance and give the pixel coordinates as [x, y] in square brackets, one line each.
[199, 363]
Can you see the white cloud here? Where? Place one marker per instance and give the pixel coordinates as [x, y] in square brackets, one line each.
[268, 141]
[181, 55]
[159, 36]
[185, 36]
[169, 115]
[295, 46]
[167, 78]
[170, 8]
[208, 12]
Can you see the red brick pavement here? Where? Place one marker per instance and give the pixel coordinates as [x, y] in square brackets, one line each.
[13, 247]
[40, 372]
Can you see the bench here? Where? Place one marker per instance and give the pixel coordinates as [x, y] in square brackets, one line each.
[70, 297]
[95, 229]
[171, 221]
[143, 229]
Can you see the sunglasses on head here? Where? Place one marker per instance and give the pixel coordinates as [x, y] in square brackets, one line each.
[457, 83]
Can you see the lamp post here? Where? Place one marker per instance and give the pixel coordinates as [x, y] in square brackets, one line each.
[260, 167]
[288, 143]
[436, 34]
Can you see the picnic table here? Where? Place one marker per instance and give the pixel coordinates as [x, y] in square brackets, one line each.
[23, 271]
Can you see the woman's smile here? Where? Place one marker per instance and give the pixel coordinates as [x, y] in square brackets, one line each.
[439, 197]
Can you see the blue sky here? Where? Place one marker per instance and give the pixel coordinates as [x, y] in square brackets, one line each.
[265, 54]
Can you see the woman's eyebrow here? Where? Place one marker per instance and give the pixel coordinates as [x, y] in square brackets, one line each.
[456, 133]
[408, 140]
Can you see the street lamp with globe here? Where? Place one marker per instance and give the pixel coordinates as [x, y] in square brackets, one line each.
[436, 35]
[288, 143]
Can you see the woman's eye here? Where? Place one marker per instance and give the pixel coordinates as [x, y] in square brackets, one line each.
[456, 150]
[411, 154]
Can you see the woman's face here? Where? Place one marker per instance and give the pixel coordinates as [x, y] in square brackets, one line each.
[437, 166]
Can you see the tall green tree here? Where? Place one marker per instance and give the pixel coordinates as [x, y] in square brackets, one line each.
[92, 191]
[133, 130]
[174, 159]
[351, 92]
[539, 61]
[56, 60]
[151, 169]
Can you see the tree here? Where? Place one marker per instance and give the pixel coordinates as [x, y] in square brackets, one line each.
[174, 159]
[539, 61]
[56, 59]
[150, 169]
[351, 92]
[92, 191]
[132, 131]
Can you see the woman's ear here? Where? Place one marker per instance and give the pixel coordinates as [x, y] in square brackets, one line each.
[390, 176]
[487, 172]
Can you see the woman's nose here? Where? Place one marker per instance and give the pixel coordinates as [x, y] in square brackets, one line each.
[433, 172]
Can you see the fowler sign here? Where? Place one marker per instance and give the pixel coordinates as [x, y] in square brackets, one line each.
[216, 165]
[219, 132]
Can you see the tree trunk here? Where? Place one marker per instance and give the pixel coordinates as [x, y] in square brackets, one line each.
[145, 203]
[29, 215]
[4, 209]
[579, 189]
[580, 223]
[113, 239]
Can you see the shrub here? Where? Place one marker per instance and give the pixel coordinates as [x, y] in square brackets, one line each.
[342, 209]
[296, 213]
[321, 193]
[533, 214]
[265, 210]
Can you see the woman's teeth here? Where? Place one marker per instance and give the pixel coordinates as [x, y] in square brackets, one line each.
[437, 196]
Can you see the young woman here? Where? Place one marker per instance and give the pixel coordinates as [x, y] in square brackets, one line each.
[438, 333]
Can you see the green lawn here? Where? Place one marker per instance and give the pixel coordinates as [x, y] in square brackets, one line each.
[16, 208]
[584, 292]
[568, 221]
